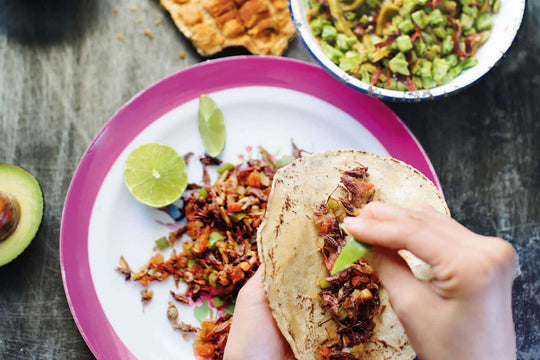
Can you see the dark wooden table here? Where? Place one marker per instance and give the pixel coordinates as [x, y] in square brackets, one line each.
[64, 72]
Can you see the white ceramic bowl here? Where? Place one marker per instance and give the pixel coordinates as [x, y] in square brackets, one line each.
[506, 24]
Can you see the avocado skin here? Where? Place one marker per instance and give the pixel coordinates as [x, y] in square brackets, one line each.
[22, 185]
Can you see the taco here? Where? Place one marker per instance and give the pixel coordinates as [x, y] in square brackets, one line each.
[346, 316]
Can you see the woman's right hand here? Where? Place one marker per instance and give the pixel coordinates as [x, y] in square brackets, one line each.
[465, 311]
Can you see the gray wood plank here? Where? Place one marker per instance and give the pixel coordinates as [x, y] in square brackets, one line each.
[64, 72]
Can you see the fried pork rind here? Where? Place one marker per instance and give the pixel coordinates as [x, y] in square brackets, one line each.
[264, 27]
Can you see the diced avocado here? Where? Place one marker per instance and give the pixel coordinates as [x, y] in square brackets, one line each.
[398, 65]
[331, 52]
[406, 26]
[317, 25]
[404, 43]
[440, 69]
[452, 60]
[484, 22]
[447, 45]
[19, 189]
[349, 61]
[436, 18]
[470, 62]
[342, 42]
[428, 82]
[329, 34]
[420, 18]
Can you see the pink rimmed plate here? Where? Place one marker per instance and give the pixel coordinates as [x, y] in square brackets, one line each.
[266, 101]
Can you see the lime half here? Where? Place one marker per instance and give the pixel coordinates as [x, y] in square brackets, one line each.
[155, 174]
[211, 126]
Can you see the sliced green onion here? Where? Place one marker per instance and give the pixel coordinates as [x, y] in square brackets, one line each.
[218, 302]
[213, 238]
[203, 193]
[323, 283]
[162, 243]
[237, 216]
[229, 310]
[151, 272]
[284, 160]
[225, 167]
[212, 279]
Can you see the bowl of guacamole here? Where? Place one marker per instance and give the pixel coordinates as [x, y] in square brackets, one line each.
[407, 50]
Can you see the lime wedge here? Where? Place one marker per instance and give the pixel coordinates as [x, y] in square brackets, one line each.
[352, 251]
[155, 174]
[211, 126]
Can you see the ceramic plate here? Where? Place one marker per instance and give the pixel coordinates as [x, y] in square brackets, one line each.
[265, 101]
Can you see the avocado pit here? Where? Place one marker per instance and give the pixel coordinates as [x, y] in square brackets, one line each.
[10, 215]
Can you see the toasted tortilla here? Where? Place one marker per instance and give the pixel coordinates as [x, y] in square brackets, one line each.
[288, 245]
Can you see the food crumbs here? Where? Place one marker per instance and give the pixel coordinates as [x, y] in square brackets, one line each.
[139, 21]
[115, 9]
[148, 33]
[182, 55]
[185, 336]
[146, 296]
[120, 37]
[159, 21]
[134, 8]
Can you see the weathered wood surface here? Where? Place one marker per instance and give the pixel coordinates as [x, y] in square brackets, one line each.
[63, 73]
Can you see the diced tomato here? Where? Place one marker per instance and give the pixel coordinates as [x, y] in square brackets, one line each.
[145, 280]
[196, 269]
[204, 350]
[200, 245]
[324, 352]
[365, 187]
[254, 179]
[207, 326]
[234, 207]
[157, 259]
[324, 223]
[237, 275]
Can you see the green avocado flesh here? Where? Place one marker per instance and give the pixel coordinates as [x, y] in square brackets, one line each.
[20, 184]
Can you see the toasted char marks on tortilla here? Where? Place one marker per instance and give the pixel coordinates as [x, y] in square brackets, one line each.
[288, 245]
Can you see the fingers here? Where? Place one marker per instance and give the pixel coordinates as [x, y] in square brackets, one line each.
[423, 232]
[403, 288]
[252, 292]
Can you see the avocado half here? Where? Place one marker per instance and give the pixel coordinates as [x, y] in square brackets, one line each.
[25, 204]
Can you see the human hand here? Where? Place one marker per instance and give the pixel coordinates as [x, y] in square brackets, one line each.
[465, 311]
[254, 333]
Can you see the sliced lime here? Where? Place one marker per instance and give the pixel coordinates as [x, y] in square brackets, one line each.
[155, 174]
[352, 251]
[211, 126]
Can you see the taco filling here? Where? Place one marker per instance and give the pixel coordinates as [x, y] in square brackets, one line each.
[351, 296]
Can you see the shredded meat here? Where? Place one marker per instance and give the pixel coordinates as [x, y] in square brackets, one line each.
[123, 268]
[211, 340]
[222, 220]
[351, 296]
[187, 157]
